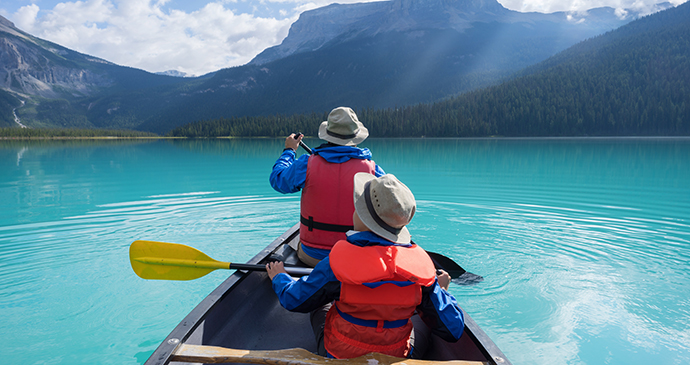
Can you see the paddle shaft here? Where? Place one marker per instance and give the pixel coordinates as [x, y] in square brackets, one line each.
[306, 148]
[294, 271]
[198, 264]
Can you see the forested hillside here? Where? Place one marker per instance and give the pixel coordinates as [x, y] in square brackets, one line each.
[632, 81]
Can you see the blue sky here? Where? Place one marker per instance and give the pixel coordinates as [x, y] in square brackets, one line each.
[199, 36]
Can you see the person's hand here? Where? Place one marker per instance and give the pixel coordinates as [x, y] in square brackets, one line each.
[275, 268]
[443, 279]
[291, 142]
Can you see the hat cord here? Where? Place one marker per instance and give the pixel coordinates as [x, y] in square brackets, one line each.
[342, 136]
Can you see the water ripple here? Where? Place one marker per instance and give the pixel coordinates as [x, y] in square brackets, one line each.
[87, 239]
[599, 255]
[584, 244]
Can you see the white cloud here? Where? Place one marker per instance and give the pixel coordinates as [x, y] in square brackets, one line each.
[309, 5]
[26, 16]
[141, 34]
[148, 34]
[550, 6]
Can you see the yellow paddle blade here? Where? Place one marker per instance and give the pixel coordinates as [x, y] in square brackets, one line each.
[170, 261]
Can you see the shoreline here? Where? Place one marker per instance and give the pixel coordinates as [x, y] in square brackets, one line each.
[314, 137]
[74, 138]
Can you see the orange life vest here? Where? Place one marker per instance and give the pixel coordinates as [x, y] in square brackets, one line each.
[380, 288]
[326, 206]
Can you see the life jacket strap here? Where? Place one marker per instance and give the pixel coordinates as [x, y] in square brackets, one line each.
[311, 224]
[370, 322]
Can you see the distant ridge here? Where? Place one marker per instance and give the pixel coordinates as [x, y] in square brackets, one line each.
[383, 54]
[629, 82]
[312, 31]
[174, 73]
[372, 55]
[51, 78]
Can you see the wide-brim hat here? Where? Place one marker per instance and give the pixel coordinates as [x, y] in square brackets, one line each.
[343, 128]
[384, 205]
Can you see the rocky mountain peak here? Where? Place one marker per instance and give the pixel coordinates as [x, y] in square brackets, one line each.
[8, 27]
[44, 69]
[466, 5]
[5, 22]
[317, 27]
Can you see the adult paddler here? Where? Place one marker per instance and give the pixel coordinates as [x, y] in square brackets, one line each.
[326, 181]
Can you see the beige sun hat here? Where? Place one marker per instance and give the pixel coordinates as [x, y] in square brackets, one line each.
[343, 128]
[384, 205]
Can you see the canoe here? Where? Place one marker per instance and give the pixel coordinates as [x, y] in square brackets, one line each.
[243, 313]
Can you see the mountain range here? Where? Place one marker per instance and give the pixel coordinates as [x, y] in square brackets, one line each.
[632, 81]
[369, 55]
[317, 28]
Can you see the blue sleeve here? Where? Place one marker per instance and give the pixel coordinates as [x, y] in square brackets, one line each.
[441, 313]
[309, 292]
[288, 175]
[378, 171]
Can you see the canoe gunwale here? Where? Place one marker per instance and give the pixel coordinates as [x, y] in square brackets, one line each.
[483, 346]
[163, 354]
[488, 347]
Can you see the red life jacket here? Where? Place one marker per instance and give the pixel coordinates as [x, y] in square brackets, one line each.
[327, 206]
[380, 288]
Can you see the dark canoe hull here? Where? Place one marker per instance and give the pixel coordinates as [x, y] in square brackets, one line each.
[244, 313]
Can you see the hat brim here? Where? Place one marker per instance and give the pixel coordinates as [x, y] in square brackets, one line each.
[361, 208]
[362, 134]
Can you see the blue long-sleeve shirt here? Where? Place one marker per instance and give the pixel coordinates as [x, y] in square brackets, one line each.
[438, 309]
[289, 174]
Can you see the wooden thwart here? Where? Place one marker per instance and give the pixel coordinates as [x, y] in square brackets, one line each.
[297, 356]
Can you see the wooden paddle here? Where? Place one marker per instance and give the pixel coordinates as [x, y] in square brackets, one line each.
[172, 261]
[297, 356]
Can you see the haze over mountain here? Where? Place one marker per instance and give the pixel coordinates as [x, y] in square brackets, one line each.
[50, 79]
[629, 82]
[316, 28]
[376, 55]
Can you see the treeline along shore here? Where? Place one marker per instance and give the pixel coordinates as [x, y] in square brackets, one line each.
[513, 110]
[55, 133]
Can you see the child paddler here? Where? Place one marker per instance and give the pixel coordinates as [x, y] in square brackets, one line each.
[371, 284]
[325, 179]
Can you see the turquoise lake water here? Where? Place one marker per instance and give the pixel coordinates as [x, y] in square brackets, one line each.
[584, 244]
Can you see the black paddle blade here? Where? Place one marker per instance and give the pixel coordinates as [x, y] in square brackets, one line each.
[467, 279]
[457, 274]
